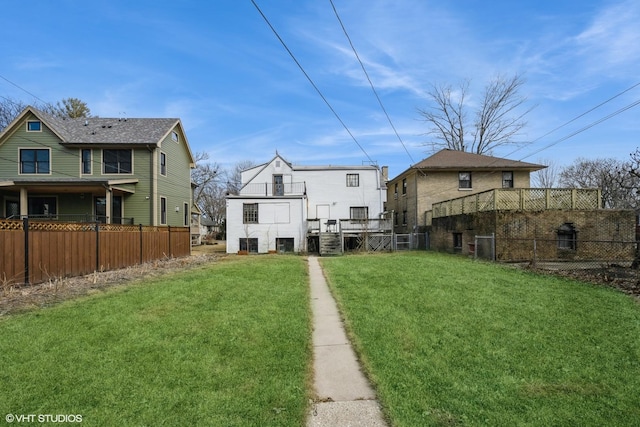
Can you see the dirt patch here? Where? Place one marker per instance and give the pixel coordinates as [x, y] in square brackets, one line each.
[624, 279]
[17, 298]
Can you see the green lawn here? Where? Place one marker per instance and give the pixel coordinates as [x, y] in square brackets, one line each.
[227, 344]
[449, 341]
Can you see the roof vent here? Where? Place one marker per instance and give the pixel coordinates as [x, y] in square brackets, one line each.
[86, 122]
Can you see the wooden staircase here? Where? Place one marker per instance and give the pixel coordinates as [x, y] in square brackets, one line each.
[330, 244]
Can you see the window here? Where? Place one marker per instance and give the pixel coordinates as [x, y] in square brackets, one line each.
[359, 212]
[34, 161]
[567, 236]
[395, 191]
[404, 186]
[41, 206]
[404, 217]
[163, 164]
[507, 179]
[285, 244]
[86, 161]
[174, 136]
[186, 214]
[250, 213]
[163, 210]
[457, 240]
[353, 180]
[464, 180]
[117, 161]
[249, 245]
[34, 126]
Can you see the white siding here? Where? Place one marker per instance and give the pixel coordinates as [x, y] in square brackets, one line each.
[326, 196]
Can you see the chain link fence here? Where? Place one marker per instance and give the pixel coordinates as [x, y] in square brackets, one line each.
[558, 254]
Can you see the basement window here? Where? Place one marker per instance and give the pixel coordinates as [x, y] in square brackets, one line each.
[457, 241]
[249, 244]
[567, 237]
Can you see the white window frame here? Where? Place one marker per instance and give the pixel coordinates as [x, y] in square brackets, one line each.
[82, 172]
[20, 149]
[29, 122]
[104, 172]
[163, 154]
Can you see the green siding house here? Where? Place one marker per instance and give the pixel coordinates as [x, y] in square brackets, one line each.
[119, 171]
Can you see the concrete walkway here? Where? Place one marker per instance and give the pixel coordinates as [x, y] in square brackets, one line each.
[343, 395]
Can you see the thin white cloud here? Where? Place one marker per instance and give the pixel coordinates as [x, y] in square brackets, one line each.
[611, 44]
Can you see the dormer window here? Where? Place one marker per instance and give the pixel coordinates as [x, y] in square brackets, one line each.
[34, 126]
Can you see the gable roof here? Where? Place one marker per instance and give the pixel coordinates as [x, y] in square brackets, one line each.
[105, 131]
[452, 159]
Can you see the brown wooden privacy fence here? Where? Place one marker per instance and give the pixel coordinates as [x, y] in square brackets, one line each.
[36, 251]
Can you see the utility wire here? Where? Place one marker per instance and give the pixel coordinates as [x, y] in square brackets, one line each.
[369, 79]
[311, 81]
[22, 89]
[590, 125]
[574, 119]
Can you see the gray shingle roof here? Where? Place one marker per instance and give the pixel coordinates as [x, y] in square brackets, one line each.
[96, 130]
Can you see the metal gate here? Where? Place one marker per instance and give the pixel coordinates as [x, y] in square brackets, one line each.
[485, 247]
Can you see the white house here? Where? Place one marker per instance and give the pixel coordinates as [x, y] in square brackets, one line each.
[286, 208]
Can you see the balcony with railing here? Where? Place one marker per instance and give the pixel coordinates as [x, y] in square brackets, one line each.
[371, 225]
[524, 199]
[270, 189]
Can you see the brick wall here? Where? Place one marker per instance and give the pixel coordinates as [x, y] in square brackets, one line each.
[600, 234]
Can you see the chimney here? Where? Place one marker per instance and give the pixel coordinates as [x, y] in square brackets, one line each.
[385, 173]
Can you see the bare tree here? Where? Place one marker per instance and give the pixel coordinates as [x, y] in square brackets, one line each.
[213, 184]
[547, 177]
[498, 119]
[627, 177]
[607, 175]
[234, 181]
[209, 192]
[9, 110]
[68, 107]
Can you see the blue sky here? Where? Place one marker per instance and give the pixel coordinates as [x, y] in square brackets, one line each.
[218, 67]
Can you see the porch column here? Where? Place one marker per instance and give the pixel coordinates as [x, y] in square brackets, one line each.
[107, 205]
[24, 202]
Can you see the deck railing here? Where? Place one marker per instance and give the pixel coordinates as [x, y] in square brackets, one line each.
[525, 199]
[271, 189]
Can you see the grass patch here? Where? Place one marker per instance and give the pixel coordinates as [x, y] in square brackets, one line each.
[448, 341]
[227, 344]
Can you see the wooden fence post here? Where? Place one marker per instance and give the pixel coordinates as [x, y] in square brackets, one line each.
[141, 252]
[25, 227]
[170, 252]
[97, 246]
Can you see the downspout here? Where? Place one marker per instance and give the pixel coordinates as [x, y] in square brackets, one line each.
[415, 182]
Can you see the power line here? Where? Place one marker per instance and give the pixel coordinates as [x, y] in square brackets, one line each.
[590, 125]
[22, 89]
[369, 79]
[311, 81]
